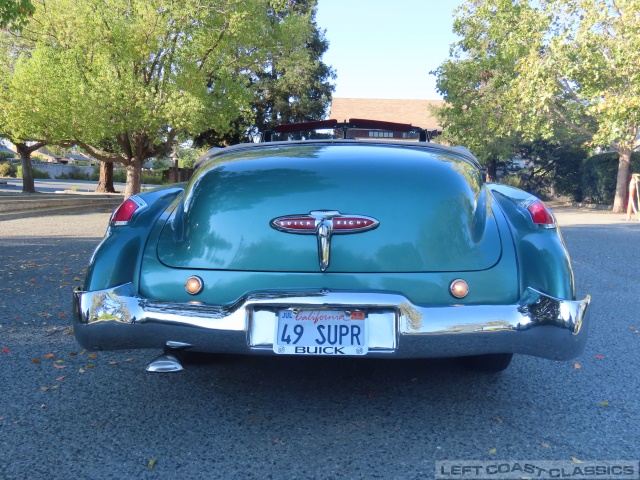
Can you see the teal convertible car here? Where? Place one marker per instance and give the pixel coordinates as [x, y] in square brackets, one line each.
[375, 248]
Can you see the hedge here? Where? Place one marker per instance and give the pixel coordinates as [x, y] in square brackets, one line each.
[599, 174]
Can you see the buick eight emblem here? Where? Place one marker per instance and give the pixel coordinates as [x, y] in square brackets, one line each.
[323, 224]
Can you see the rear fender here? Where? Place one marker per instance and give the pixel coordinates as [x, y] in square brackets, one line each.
[117, 258]
[543, 259]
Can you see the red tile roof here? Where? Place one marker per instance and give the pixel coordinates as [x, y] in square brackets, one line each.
[415, 112]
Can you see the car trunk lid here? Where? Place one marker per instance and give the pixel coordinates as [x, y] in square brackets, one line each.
[430, 205]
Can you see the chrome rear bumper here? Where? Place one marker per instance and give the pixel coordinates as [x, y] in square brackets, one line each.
[537, 325]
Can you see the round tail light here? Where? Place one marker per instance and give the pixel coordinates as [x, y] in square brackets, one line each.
[459, 288]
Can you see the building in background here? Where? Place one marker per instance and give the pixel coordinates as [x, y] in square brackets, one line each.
[414, 112]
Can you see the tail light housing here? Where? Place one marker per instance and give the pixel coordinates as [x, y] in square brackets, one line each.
[127, 209]
[540, 215]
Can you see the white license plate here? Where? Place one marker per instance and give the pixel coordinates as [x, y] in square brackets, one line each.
[321, 332]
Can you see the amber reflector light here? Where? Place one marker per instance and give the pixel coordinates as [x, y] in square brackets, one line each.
[193, 285]
[459, 288]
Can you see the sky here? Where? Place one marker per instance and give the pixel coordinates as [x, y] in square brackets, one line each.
[386, 49]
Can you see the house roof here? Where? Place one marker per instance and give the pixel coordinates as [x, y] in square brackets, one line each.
[4, 149]
[414, 112]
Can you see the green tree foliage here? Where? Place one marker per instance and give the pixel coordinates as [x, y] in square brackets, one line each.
[576, 66]
[581, 71]
[124, 79]
[294, 86]
[474, 82]
[568, 64]
[15, 13]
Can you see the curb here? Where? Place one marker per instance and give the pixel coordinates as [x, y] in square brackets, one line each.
[593, 206]
[19, 205]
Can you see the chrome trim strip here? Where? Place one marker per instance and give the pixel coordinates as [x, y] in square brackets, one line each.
[536, 325]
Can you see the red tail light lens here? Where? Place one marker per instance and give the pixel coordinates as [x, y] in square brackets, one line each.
[124, 213]
[541, 215]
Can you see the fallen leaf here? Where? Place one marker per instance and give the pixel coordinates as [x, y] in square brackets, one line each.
[33, 280]
[49, 355]
[493, 451]
[93, 355]
[82, 370]
[77, 279]
[62, 315]
[497, 420]
[91, 365]
[5, 350]
[577, 366]
[59, 379]
[112, 363]
[545, 445]
[43, 405]
[129, 360]
[575, 460]
[35, 360]
[72, 354]
[59, 361]
[53, 387]
[152, 462]
[599, 357]
[44, 389]
[633, 329]
[59, 367]
[604, 404]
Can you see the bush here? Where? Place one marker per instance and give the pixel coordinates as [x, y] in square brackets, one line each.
[513, 180]
[7, 169]
[599, 174]
[36, 173]
[567, 174]
[74, 174]
[120, 175]
[154, 178]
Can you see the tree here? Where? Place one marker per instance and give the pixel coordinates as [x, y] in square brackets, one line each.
[474, 82]
[132, 76]
[21, 122]
[574, 65]
[581, 71]
[294, 86]
[15, 13]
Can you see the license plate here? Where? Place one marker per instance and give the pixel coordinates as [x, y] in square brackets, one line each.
[321, 332]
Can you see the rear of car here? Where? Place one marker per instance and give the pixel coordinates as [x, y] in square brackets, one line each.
[335, 248]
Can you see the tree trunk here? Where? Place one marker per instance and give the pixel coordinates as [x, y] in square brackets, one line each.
[622, 182]
[492, 171]
[134, 177]
[105, 182]
[28, 185]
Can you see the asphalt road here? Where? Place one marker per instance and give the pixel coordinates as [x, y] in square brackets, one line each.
[65, 414]
[54, 185]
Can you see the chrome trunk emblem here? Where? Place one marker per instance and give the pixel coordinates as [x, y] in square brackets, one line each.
[323, 224]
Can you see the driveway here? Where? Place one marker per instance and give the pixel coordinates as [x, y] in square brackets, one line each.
[65, 413]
